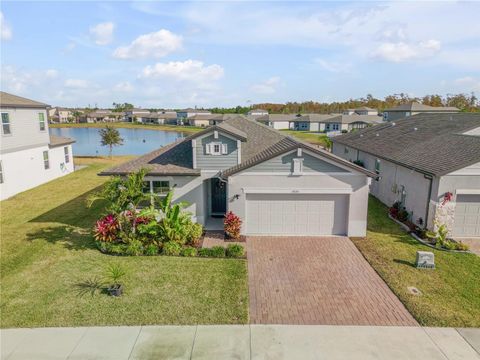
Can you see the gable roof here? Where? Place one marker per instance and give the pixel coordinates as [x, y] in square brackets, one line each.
[10, 100]
[348, 119]
[431, 143]
[416, 106]
[259, 143]
[59, 141]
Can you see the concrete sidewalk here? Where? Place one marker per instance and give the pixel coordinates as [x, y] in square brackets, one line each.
[241, 342]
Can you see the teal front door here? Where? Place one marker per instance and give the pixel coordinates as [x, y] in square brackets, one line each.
[219, 197]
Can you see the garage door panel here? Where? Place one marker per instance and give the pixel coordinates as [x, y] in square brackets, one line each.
[467, 216]
[296, 214]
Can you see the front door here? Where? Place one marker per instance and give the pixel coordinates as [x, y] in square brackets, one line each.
[219, 197]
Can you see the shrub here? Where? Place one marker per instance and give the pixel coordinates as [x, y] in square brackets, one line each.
[106, 229]
[403, 215]
[235, 251]
[151, 250]
[217, 251]
[194, 232]
[232, 224]
[111, 248]
[134, 248]
[171, 248]
[188, 251]
[344, 131]
[461, 246]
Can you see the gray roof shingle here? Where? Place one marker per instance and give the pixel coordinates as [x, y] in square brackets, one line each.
[431, 143]
[11, 100]
[416, 106]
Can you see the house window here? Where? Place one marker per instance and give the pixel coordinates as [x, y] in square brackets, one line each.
[6, 124]
[46, 162]
[297, 166]
[1, 172]
[160, 187]
[146, 188]
[67, 155]
[216, 148]
[303, 126]
[377, 166]
[335, 126]
[41, 120]
[345, 150]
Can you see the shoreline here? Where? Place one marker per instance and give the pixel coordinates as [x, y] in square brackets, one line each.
[126, 125]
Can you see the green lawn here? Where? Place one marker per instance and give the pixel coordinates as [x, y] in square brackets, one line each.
[450, 293]
[47, 251]
[126, 125]
[307, 136]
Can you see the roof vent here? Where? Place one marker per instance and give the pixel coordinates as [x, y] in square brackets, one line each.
[393, 124]
[415, 129]
[377, 134]
[361, 135]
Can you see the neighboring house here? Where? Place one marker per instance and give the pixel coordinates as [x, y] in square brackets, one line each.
[29, 156]
[102, 116]
[333, 122]
[134, 114]
[204, 120]
[309, 122]
[413, 108]
[161, 118]
[183, 115]
[60, 115]
[420, 161]
[257, 112]
[278, 121]
[364, 110]
[276, 184]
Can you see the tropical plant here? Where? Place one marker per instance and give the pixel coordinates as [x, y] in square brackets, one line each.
[232, 225]
[174, 223]
[110, 137]
[171, 248]
[106, 229]
[328, 143]
[115, 273]
[194, 232]
[188, 251]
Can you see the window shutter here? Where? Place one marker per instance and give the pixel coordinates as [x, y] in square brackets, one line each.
[208, 149]
[224, 149]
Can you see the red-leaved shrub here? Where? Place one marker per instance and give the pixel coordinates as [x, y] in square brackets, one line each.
[106, 229]
[232, 225]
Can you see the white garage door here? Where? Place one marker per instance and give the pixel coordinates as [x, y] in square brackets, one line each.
[296, 214]
[467, 216]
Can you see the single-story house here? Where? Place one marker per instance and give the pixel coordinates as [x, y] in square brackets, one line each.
[413, 108]
[161, 118]
[430, 163]
[278, 121]
[101, 116]
[183, 115]
[333, 122]
[363, 110]
[309, 122]
[276, 184]
[257, 112]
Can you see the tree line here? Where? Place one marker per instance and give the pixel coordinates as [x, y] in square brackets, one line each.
[465, 102]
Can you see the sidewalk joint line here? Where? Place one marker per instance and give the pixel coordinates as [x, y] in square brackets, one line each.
[466, 340]
[135, 343]
[434, 342]
[193, 343]
[78, 342]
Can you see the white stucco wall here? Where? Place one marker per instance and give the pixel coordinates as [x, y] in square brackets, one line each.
[280, 125]
[357, 217]
[23, 170]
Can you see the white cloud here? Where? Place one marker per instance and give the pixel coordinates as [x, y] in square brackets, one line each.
[268, 86]
[5, 29]
[402, 51]
[123, 86]
[102, 33]
[76, 83]
[189, 70]
[333, 66]
[156, 45]
[51, 73]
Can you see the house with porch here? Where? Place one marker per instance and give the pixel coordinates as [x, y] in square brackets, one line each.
[277, 185]
[429, 162]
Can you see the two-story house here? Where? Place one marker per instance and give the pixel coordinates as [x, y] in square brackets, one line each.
[430, 163]
[185, 114]
[60, 115]
[277, 185]
[29, 155]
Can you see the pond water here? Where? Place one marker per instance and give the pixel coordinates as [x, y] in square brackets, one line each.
[135, 141]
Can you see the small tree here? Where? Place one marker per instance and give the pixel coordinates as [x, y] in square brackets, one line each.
[110, 137]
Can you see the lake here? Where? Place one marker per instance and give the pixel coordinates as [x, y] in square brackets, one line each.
[135, 141]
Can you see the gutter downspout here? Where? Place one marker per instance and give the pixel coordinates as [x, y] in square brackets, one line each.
[428, 177]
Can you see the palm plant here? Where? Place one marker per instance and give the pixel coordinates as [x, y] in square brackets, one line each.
[110, 137]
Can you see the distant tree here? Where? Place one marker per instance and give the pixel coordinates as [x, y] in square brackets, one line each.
[110, 137]
[122, 107]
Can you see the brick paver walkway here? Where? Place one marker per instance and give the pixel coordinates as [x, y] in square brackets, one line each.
[317, 280]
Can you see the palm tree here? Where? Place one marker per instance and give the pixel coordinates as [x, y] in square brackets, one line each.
[110, 137]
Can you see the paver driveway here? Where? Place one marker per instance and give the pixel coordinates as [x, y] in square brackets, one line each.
[317, 280]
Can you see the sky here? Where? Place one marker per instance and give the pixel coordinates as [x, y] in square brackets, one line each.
[205, 54]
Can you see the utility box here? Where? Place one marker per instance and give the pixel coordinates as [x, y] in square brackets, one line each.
[425, 260]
